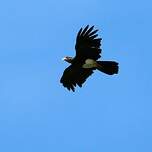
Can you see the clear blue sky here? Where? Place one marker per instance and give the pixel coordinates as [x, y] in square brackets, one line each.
[110, 113]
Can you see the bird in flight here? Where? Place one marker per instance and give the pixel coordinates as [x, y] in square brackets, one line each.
[86, 60]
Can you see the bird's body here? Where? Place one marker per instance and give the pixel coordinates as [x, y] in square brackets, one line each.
[86, 60]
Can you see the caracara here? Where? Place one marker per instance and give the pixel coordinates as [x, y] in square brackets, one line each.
[86, 60]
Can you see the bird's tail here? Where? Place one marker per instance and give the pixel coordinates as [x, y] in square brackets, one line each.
[108, 67]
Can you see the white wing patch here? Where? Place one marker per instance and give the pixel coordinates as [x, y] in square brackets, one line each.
[89, 63]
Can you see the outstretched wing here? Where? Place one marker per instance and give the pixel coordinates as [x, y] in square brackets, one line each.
[73, 76]
[87, 44]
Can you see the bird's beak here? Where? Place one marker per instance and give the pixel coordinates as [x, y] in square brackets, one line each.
[63, 59]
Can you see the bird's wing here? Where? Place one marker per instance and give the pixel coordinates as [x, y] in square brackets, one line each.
[87, 44]
[73, 76]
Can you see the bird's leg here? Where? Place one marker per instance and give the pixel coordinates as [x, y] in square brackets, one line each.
[89, 63]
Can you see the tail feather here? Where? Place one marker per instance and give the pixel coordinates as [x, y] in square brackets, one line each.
[108, 67]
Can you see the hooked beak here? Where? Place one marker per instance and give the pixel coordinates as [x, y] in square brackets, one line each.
[63, 59]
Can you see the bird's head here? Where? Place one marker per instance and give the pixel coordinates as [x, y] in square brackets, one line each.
[67, 59]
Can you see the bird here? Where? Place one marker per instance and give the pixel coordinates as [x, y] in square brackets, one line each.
[84, 63]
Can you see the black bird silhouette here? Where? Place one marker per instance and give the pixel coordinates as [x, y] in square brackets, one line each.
[86, 60]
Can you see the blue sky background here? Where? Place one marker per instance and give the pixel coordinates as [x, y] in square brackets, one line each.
[110, 113]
